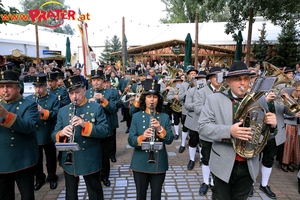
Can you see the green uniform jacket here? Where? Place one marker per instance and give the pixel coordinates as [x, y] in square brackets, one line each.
[108, 106]
[62, 95]
[18, 143]
[88, 159]
[118, 104]
[139, 161]
[45, 124]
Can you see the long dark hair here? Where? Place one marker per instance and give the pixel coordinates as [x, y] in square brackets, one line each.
[159, 106]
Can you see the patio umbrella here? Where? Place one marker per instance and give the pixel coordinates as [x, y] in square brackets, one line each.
[239, 47]
[187, 51]
[68, 52]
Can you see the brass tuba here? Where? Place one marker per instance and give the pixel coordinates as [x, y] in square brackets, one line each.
[248, 113]
[176, 105]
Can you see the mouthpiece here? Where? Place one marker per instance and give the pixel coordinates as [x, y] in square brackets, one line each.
[242, 88]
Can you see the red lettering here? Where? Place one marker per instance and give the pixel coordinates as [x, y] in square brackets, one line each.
[57, 11]
[64, 14]
[50, 14]
[71, 14]
[88, 16]
[42, 16]
[34, 13]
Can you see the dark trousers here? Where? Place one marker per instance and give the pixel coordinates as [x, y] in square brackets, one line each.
[142, 181]
[92, 182]
[167, 109]
[25, 182]
[184, 129]
[177, 116]
[113, 144]
[239, 185]
[268, 153]
[194, 138]
[205, 151]
[127, 117]
[105, 148]
[51, 163]
[279, 154]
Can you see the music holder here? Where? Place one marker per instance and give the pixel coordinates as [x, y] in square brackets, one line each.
[67, 146]
[153, 146]
[263, 84]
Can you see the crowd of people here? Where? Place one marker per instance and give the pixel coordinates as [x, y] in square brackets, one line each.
[67, 107]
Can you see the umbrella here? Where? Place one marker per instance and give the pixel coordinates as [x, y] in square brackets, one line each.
[239, 47]
[68, 52]
[187, 51]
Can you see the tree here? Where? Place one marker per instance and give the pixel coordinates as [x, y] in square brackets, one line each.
[111, 46]
[36, 4]
[243, 11]
[260, 48]
[184, 11]
[287, 50]
[11, 10]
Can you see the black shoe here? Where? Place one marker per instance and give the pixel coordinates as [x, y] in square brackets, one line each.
[284, 168]
[299, 185]
[267, 190]
[191, 165]
[53, 185]
[290, 168]
[38, 185]
[181, 149]
[127, 131]
[113, 159]
[176, 137]
[106, 182]
[203, 189]
[250, 194]
[123, 120]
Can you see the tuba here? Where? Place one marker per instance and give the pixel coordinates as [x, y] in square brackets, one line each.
[176, 105]
[248, 113]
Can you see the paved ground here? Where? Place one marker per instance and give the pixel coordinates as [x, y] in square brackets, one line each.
[179, 184]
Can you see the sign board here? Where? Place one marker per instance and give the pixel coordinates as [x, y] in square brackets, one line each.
[51, 52]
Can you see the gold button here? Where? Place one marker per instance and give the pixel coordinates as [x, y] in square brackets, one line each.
[83, 142]
[144, 127]
[12, 138]
[45, 122]
[12, 145]
[83, 149]
[12, 131]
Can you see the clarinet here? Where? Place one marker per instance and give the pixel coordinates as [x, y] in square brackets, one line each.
[69, 157]
[152, 139]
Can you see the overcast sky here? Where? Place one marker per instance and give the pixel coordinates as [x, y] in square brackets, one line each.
[104, 13]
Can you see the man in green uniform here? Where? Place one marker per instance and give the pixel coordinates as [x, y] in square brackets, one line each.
[60, 92]
[84, 123]
[18, 144]
[106, 99]
[48, 106]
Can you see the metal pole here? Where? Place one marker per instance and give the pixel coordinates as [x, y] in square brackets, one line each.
[123, 45]
[37, 44]
[196, 43]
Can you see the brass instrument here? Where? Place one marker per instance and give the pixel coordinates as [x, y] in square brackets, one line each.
[152, 146]
[70, 146]
[248, 113]
[283, 98]
[127, 91]
[172, 73]
[176, 105]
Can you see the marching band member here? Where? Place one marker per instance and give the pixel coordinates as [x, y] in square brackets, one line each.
[233, 175]
[48, 106]
[181, 97]
[173, 94]
[144, 172]
[87, 125]
[118, 104]
[18, 143]
[193, 116]
[105, 97]
[205, 142]
[60, 92]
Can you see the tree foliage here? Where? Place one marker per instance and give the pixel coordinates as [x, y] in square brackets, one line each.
[184, 11]
[11, 10]
[287, 49]
[260, 48]
[27, 5]
[112, 45]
